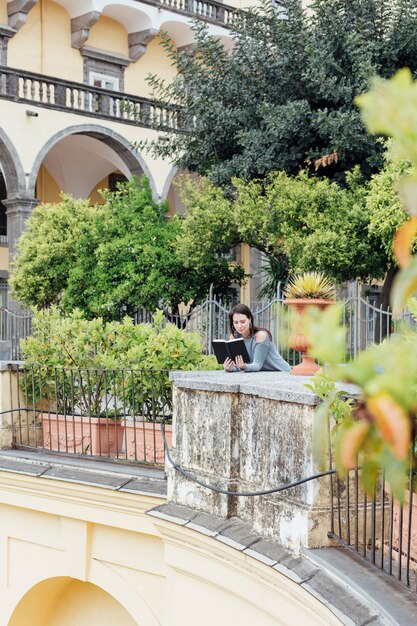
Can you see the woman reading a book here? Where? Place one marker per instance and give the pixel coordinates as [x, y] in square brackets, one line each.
[258, 341]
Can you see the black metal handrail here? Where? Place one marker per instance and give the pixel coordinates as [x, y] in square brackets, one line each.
[378, 528]
[112, 414]
[63, 95]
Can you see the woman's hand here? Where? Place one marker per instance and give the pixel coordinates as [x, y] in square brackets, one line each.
[240, 362]
[229, 365]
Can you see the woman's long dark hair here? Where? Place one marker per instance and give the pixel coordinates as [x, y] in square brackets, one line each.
[242, 309]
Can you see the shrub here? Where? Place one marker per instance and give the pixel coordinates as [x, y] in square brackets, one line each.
[92, 366]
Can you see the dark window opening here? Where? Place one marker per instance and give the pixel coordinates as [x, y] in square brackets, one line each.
[114, 179]
[3, 216]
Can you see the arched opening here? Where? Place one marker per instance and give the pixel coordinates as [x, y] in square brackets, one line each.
[3, 216]
[81, 161]
[65, 601]
[172, 191]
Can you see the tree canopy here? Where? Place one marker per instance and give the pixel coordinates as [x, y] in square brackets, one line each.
[305, 222]
[111, 259]
[282, 97]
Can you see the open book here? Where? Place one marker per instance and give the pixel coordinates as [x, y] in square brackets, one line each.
[232, 348]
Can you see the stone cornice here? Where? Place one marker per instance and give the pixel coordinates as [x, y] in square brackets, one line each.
[80, 27]
[104, 55]
[71, 499]
[17, 11]
[6, 31]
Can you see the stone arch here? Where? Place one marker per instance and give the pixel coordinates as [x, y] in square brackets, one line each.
[71, 600]
[11, 167]
[134, 161]
[170, 194]
[36, 592]
[174, 171]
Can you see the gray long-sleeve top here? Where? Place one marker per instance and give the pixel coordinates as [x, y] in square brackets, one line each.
[264, 356]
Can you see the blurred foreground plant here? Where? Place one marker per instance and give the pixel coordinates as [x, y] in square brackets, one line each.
[376, 432]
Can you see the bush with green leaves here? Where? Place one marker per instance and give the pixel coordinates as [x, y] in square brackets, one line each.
[47, 250]
[95, 367]
[112, 259]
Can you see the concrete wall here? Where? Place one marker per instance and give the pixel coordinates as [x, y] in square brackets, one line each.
[248, 433]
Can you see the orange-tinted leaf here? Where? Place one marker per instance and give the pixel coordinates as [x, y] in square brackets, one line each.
[393, 423]
[352, 443]
[403, 242]
[404, 286]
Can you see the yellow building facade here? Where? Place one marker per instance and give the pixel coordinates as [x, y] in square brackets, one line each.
[65, 68]
[77, 555]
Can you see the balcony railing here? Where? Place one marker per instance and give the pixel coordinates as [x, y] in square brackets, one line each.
[211, 11]
[103, 413]
[81, 99]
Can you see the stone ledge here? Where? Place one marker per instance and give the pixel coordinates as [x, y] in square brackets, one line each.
[345, 602]
[272, 385]
[142, 481]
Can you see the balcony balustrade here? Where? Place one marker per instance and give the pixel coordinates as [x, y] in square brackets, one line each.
[217, 12]
[81, 99]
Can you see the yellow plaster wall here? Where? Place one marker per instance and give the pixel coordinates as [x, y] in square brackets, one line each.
[4, 258]
[95, 196]
[46, 187]
[154, 61]
[109, 35]
[3, 11]
[78, 555]
[47, 35]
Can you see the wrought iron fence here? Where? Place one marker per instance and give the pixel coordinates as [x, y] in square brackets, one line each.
[109, 414]
[379, 528]
[365, 322]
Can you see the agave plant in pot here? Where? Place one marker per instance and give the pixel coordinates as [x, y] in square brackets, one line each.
[305, 290]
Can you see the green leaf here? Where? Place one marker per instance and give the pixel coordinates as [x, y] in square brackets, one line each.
[405, 285]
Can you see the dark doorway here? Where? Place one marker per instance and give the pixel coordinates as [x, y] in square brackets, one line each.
[3, 216]
[115, 179]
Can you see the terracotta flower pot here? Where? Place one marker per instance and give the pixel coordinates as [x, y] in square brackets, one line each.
[144, 441]
[76, 434]
[298, 340]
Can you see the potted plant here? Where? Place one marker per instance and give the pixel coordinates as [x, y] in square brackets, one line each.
[68, 381]
[147, 392]
[103, 388]
[302, 292]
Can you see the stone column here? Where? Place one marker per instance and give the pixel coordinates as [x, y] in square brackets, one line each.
[17, 211]
[6, 33]
[250, 432]
[9, 398]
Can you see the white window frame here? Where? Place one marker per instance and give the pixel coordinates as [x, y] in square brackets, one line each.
[93, 76]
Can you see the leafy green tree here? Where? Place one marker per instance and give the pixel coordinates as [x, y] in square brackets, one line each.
[112, 259]
[305, 223]
[47, 250]
[282, 97]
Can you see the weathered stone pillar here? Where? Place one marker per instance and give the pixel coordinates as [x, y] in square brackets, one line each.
[9, 394]
[6, 33]
[18, 210]
[250, 432]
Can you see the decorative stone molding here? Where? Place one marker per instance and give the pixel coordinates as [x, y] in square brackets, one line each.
[17, 11]
[6, 33]
[139, 41]
[80, 27]
[103, 62]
